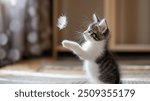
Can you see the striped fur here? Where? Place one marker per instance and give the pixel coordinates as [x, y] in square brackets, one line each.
[108, 68]
[105, 67]
[99, 64]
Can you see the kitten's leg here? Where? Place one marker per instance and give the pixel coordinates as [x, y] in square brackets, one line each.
[76, 48]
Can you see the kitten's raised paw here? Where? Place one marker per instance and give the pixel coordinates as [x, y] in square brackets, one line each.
[66, 43]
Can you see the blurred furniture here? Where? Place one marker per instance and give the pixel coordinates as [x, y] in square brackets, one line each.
[128, 20]
[25, 29]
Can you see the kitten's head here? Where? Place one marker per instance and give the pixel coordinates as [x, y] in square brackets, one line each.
[97, 31]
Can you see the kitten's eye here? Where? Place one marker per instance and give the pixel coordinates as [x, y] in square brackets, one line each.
[90, 31]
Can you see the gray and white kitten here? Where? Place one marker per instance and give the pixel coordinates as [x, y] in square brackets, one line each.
[99, 64]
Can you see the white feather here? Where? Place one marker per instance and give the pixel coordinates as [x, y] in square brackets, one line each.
[62, 22]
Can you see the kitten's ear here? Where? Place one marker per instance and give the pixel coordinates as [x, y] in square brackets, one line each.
[95, 18]
[103, 25]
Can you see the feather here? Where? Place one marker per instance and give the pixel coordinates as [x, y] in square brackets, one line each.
[62, 22]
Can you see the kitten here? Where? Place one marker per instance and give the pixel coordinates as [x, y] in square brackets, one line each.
[99, 64]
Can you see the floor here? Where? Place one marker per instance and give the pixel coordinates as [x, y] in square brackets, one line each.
[68, 70]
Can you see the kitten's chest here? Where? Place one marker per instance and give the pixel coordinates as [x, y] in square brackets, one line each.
[92, 70]
[93, 50]
[87, 46]
[90, 66]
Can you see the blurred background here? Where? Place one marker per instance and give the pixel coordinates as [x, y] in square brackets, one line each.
[30, 42]
[25, 29]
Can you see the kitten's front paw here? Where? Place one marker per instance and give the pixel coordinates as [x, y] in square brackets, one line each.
[66, 44]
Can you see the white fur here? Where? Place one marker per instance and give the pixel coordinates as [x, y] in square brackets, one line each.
[62, 22]
[88, 52]
[103, 24]
[94, 18]
[91, 68]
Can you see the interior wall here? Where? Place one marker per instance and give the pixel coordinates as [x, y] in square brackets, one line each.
[133, 22]
[79, 14]
[143, 35]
